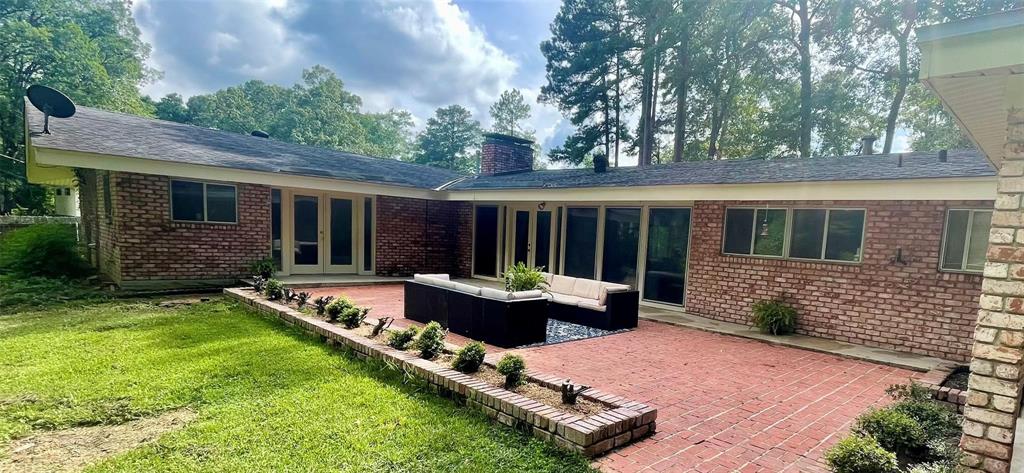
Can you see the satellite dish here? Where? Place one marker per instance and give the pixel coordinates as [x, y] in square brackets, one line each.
[51, 102]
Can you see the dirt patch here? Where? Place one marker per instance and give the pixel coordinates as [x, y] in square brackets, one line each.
[73, 449]
[958, 378]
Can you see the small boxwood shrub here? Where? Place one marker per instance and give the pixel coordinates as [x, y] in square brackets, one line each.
[774, 317]
[353, 317]
[860, 454]
[431, 340]
[273, 289]
[895, 431]
[401, 339]
[514, 369]
[337, 307]
[48, 250]
[469, 358]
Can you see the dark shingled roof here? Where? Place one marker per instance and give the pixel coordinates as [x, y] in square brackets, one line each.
[924, 165]
[97, 131]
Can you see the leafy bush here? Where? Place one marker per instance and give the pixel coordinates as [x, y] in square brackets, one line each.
[274, 290]
[469, 358]
[353, 317]
[259, 283]
[401, 339]
[321, 304]
[943, 466]
[860, 454]
[895, 431]
[514, 369]
[774, 317]
[48, 250]
[431, 340]
[338, 306]
[520, 277]
[302, 299]
[263, 267]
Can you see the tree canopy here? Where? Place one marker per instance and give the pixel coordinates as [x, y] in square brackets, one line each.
[451, 140]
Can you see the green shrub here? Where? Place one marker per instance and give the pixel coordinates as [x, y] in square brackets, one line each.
[263, 267]
[860, 454]
[431, 340]
[353, 317]
[895, 431]
[936, 421]
[469, 358]
[774, 317]
[401, 339]
[514, 369]
[943, 466]
[49, 250]
[520, 277]
[273, 289]
[338, 306]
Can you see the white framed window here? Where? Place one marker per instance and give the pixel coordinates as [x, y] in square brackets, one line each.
[196, 201]
[803, 233]
[965, 240]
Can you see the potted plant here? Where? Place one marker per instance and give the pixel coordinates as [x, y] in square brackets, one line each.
[520, 277]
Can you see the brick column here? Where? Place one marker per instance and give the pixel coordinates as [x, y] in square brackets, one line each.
[993, 397]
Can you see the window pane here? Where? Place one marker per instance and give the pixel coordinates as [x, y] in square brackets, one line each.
[307, 229]
[521, 242]
[770, 233]
[485, 242]
[275, 226]
[979, 241]
[956, 236]
[668, 233]
[621, 244]
[543, 244]
[341, 232]
[367, 234]
[845, 234]
[808, 231]
[580, 242]
[739, 224]
[187, 200]
[558, 242]
[220, 203]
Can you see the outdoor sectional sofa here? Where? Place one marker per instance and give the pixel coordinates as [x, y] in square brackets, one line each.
[510, 319]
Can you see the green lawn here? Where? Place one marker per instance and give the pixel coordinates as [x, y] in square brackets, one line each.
[267, 396]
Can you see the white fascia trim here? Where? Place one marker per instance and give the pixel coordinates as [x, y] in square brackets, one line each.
[983, 188]
[76, 159]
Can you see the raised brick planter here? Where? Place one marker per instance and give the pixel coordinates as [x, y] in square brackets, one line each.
[624, 422]
[933, 379]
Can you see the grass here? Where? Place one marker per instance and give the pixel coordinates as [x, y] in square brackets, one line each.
[21, 293]
[267, 396]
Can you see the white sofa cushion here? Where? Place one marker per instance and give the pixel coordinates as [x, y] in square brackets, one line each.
[565, 299]
[493, 293]
[591, 305]
[587, 289]
[534, 294]
[434, 281]
[547, 277]
[467, 288]
[435, 276]
[607, 287]
[562, 284]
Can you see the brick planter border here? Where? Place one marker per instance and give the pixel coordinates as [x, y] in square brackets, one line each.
[624, 422]
[933, 379]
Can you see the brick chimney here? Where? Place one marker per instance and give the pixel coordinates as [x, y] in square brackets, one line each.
[504, 154]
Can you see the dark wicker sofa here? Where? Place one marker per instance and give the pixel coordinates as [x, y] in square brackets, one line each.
[592, 303]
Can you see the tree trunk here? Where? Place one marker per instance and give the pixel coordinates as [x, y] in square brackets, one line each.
[804, 44]
[607, 124]
[647, 82]
[682, 87]
[618, 99]
[653, 129]
[897, 100]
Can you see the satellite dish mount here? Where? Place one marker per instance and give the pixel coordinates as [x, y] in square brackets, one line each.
[51, 102]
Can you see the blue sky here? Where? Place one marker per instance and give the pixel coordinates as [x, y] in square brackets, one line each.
[413, 55]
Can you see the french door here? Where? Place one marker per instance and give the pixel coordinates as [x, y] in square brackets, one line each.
[324, 231]
[530, 237]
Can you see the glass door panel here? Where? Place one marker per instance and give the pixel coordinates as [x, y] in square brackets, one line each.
[580, 242]
[521, 238]
[621, 245]
[342, 238]
[668, 237]
[542, 241]
[485, 242]
[307, 234]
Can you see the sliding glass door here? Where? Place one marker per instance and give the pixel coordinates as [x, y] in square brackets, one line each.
[581, 242]
[621, 245]
[485, 241]
[668, 238]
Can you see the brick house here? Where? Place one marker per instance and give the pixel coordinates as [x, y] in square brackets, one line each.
[871, 249]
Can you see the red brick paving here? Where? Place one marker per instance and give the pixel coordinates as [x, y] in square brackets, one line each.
[724, 403]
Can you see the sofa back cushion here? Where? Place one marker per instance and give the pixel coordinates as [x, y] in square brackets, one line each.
[587, 289]
[547, 278]
[494, 293]
[607, 287]
[561, 284]
[434, 280]
[467, 288]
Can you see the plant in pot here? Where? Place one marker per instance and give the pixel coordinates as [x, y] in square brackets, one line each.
[520, 277]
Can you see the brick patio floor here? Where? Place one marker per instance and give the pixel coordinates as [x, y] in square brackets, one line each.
[724, 403]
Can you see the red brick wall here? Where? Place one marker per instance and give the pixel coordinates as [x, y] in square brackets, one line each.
[152, 247]
[914, 307]
[99, 232]
[423, 236]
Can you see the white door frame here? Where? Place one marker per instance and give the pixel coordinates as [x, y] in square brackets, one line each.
[323, 265]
